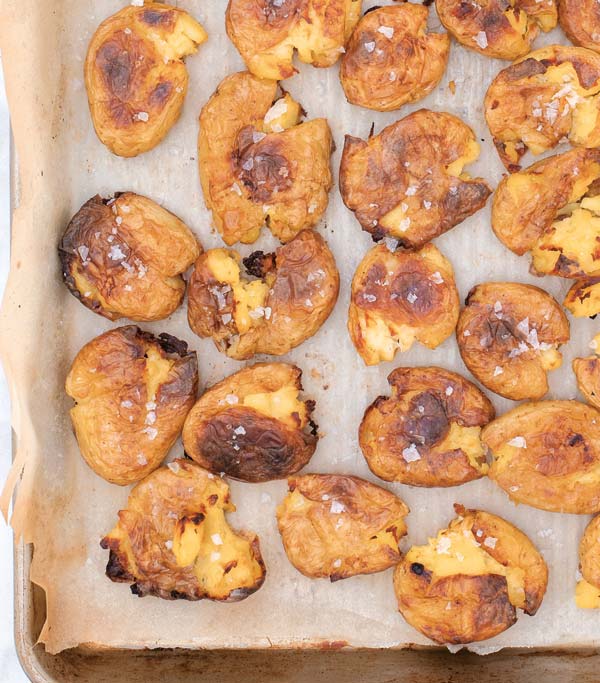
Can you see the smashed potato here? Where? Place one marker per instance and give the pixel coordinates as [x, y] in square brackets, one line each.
[580, 20]
[259, 164]
[408, 182]
[335, 526]
[583, 299]
[135, 75]
[399, 297]
[132, 392]
[497, 28]
[266, 32]
[547, 455]
[508, 336]
[253, 426]
[548, 97]
[124, 256]
[391, 60]
[587, 372]
[467, 583]
[427, 433]
[173, 540]
[550, 210]
[295, 292]
[587, 592]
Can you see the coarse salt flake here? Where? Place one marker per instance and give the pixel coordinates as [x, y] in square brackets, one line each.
[490, 542]
[336, 507]
[411, 454]
[387, 31]
[369, 47]
[216, 539]
[518, 442]
[481, 39]
[174, 467]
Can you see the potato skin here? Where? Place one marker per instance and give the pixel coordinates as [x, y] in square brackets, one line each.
[266, 32]
[558, 468]
[522, 89]
[139, 544]
[589, 552]
[411, 294]
[383, 73]
[263, 447]
[135, 76]
[123, 431]
[406, 164]
[487, 29]
[587, 372]
[527, 202]
[424, 403]
[509, 350]
[249, 177]
[304, 287]
[334, 533]
[124, 257]
[583, 299]
[580, 20]
[480, 607]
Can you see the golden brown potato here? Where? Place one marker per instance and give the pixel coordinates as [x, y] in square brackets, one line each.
[132, 392]
[466, 584]
[587, 372]
[550, 209]
[580, 20]
[583, 299]
[508, 336]
[587, 592]
[391, 60]
[547, 455]
[259, 165]
[252, 425]
[124, 257]
[334, 526]
[408, 182]
[266, 32]
[427, 433]
[295, 292]
[173, 540]
[399, 297]
[135, 75]
[543, 99]
[497, 28]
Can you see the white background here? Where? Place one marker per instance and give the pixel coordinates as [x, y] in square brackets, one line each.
[10, 670]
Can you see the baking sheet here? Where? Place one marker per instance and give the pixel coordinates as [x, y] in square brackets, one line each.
[63, 508]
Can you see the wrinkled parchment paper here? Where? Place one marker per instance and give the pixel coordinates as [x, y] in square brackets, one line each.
[63, 508]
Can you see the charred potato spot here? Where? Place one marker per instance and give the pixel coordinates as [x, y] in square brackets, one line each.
[135, 75]
[391, 60]
[550, 96]
[580, 20]
[335, 526]
[547, 455]
[267, 32]
[587, 372]
[173, 540]
[259, 164]
[427, 433]
[468, 582]
[508, 335]
[408, 182]
[587, 592]
[399, 297]
[295, 292]
[496, 28]
[132, 392]
[253, 426]
[124, 257]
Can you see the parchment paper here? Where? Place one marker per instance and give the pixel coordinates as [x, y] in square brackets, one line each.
[63, 508]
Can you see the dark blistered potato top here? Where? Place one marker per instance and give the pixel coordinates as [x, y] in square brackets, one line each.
[399, 297]
[508, 335]
[135, 76]
[467, 584]
[124, 257]
[252, 425]
[427, 433]
[391, 60]
[173, 540]
[408, 183]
